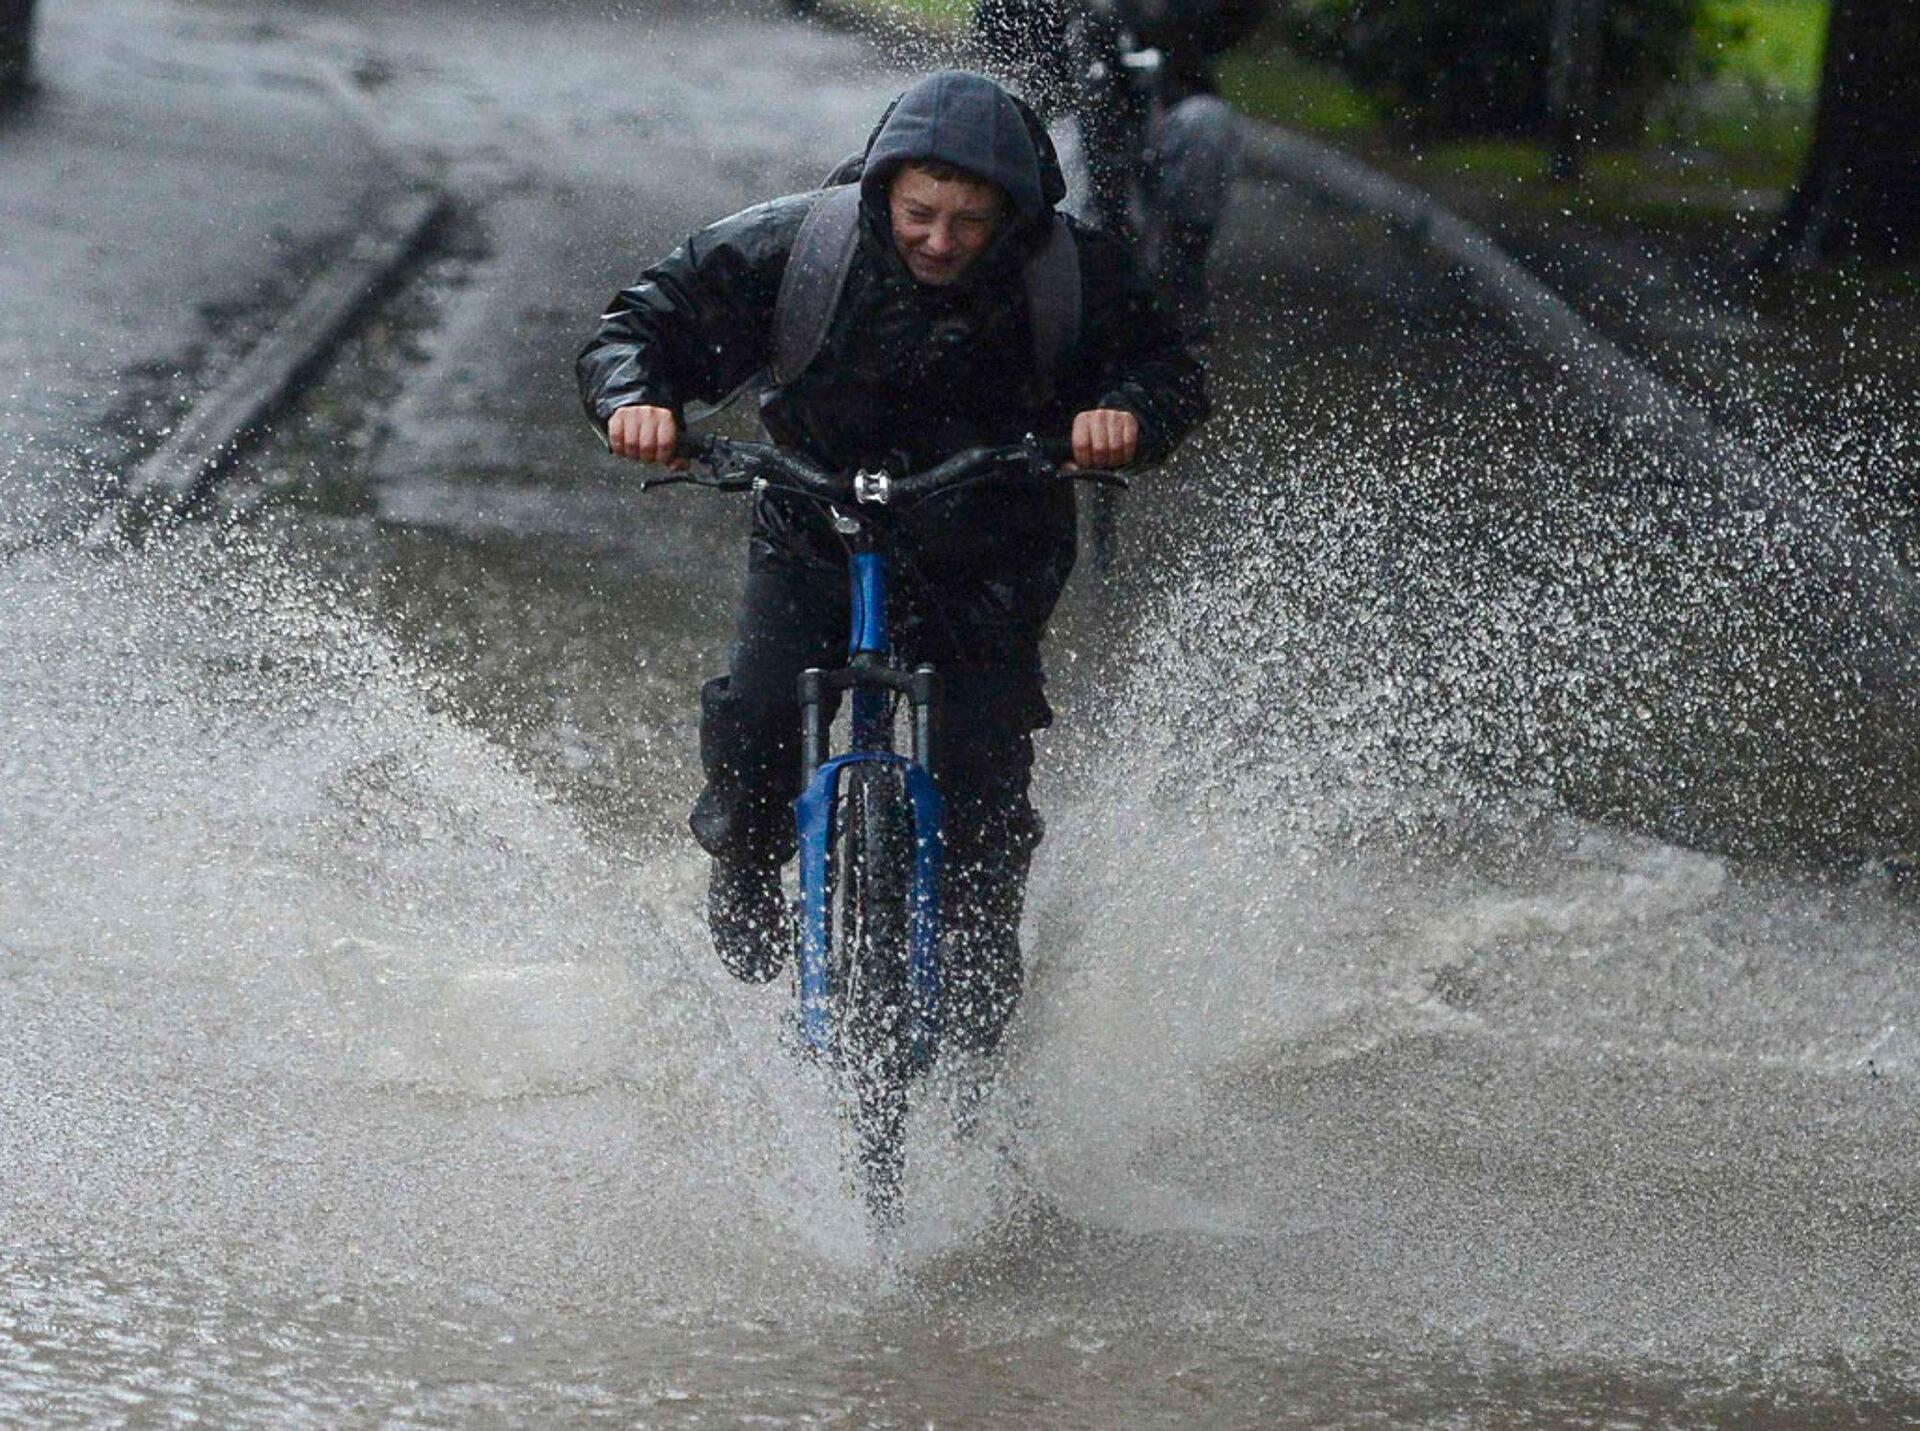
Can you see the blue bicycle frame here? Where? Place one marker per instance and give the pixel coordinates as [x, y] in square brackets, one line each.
[874, 682]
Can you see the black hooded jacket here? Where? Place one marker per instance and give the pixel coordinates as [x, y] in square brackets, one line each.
[909, 373]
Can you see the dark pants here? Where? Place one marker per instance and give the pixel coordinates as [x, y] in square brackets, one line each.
[794, 617]
[1180, 161]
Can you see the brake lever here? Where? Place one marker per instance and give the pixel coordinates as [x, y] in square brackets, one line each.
[1053, 459]
[712, 452]
[716, 484]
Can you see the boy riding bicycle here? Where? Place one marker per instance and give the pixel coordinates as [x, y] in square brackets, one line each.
[930, 339]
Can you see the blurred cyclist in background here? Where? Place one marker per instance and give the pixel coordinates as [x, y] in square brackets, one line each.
[1161, 145]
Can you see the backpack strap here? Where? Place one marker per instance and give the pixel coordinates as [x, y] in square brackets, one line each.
[816, 272]
[1053, 301]
[822, 256]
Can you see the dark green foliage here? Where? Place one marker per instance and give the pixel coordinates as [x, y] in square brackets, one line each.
[1453, 67]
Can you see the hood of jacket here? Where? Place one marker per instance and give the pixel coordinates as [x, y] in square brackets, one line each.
[966, 119]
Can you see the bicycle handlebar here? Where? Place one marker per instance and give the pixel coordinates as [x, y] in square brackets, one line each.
[737, 466]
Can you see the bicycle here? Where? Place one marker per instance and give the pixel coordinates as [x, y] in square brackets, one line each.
[869, 818]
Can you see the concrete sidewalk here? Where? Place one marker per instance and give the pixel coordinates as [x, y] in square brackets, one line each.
[176, 173]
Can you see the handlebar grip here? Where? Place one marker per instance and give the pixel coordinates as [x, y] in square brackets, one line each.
[1059, 451]
[691, 446]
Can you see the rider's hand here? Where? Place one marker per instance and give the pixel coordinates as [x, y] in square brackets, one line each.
[1105, 438]
[645, 434]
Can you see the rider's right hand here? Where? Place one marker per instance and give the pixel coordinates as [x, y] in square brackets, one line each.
[645, 434]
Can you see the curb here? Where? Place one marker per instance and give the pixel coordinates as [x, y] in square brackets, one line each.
[219, 426]
[1620, 385]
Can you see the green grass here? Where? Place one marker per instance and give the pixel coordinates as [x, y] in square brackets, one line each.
[944, 15]
[1271, 84]
[1756, 117]
[1646, 183]
[1751, 124]
[1745, 130]
[1708, 147]
[1782, 45]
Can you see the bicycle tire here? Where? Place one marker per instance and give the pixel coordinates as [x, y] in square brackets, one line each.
[872, 873]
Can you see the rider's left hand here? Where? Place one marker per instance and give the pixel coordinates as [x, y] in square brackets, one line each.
[1105, 438]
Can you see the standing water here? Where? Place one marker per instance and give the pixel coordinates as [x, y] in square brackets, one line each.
[365, 1065]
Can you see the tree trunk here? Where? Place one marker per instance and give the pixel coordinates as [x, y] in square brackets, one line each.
[1859, 195]
[16, 44]
[1577, 38]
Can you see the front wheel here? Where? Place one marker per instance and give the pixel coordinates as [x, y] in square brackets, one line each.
[872, 899]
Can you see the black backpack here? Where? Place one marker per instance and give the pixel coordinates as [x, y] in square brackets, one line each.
[823, 254]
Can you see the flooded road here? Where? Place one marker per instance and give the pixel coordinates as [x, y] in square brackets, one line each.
[1435, 1018]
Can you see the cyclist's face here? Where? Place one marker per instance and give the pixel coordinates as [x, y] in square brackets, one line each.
[941, 226]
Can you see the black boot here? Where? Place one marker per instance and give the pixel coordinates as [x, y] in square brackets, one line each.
[748, 915]
[985, 888]
[737, 820]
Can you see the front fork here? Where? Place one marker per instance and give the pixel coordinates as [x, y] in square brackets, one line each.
[873, 682]
[873, 686]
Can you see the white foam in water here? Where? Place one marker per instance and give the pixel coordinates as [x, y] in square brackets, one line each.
[1318, 956]
[224, 770]
[327, 997]
[296, 883]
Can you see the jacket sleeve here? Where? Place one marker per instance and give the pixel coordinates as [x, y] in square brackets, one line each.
[1133, 354]
[699, 322]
